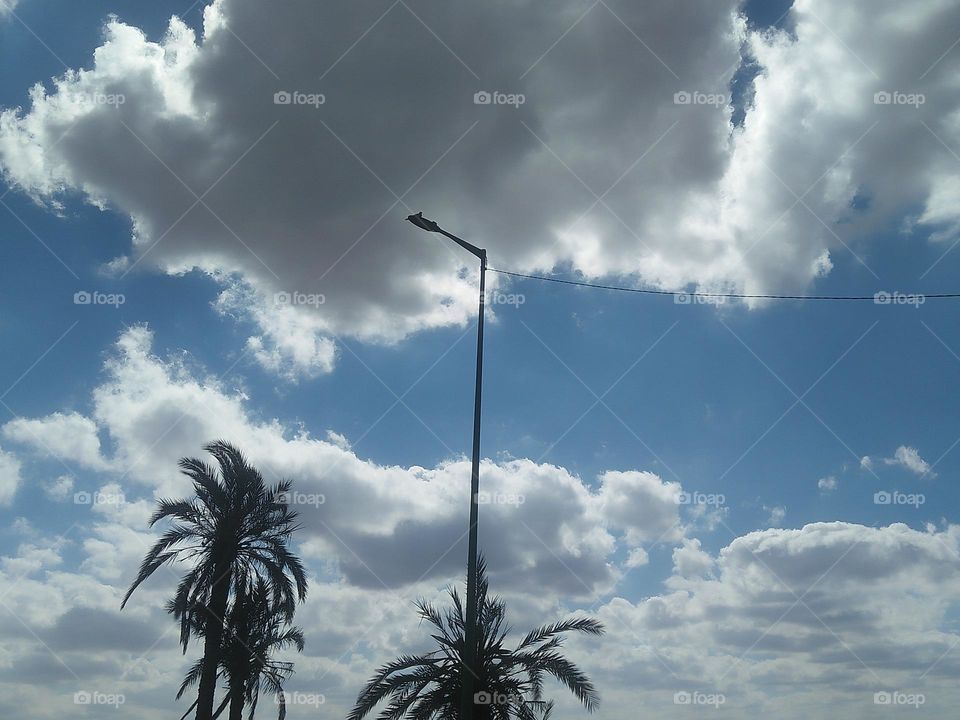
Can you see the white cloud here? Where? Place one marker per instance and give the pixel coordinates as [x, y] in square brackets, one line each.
[827, 484]
[60, 435]
[10, 478]
[637, 557]
[728, 620]
[642, 505]
[777, 514]
[7, 7]
[795, 623]
[309, 202]
[908, 458]
[690, 561]
[547, 534]
[59, 489]
[381, 525]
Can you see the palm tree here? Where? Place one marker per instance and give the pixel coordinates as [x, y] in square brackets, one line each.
[509, 682]
[235, 529]
[255, 631]
[261, 630]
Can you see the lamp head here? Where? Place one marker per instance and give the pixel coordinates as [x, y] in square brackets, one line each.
[421, 222]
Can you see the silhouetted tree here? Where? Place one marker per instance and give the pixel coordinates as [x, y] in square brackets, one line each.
[255, 630]
[260, 631]
[509, 683]
[234, 530]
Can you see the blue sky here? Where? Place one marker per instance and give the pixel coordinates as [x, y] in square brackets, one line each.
[698, 395]
[699, 398]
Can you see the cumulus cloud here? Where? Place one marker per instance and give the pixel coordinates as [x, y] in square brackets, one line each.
[642, 505]
[60, 435]
[749, 620]
[690, 561]
[296, 208]
[777, 513]
[9, 476]
[637, 557]
[827, 484]
[909, 459]
[540, 523]
[59, 489]
[807, 622]
[374, 537]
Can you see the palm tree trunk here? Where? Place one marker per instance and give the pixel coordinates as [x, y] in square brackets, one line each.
[236, 702]
[239, 657]
[213, 640]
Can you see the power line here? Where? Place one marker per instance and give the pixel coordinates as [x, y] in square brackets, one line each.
[879, 298]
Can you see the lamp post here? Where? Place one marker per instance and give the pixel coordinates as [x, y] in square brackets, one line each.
[470, 634]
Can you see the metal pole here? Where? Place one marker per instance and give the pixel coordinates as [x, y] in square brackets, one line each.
[470, 639]
[470, 634]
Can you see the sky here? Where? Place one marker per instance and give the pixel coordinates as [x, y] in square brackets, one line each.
[203, 237]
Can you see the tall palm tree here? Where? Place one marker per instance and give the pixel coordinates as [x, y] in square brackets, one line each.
[235, 528]
[509, 683]
[255, 631]
[260, 631]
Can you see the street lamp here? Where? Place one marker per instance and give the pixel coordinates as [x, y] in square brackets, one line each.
[470, 634]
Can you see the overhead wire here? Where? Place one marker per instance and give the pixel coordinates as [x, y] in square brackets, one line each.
[881, 297]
